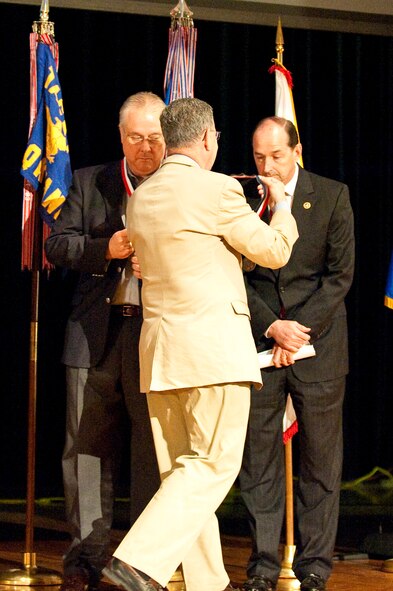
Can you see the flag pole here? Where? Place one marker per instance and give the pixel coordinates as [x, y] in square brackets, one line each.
[289, 548]
[30, 573]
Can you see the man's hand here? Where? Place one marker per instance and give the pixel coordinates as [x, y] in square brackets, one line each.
[276, 189]
[119, 247]
[282, 357]
[289, 334]
[136, 270]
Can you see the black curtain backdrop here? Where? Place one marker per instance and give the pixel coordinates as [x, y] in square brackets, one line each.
[343, 97]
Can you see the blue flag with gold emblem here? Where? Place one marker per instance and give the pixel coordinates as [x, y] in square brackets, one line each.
[389, 286]
[46, 162]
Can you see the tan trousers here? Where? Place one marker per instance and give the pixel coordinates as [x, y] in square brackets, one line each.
[199, 436]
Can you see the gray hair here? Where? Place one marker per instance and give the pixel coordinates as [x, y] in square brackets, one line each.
[184, 120]
[138, 101]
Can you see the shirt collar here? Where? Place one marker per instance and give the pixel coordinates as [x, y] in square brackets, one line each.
[291, 185]
[181, 159]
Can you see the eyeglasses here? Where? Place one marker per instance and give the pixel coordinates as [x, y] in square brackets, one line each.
[152, 140]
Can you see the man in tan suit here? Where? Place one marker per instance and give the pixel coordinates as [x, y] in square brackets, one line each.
[189, 227]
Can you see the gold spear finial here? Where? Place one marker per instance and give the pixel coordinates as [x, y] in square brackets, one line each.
[279, 42]
[181, 15]
[44, 26]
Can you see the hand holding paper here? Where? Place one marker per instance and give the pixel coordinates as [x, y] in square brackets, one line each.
[266, 357]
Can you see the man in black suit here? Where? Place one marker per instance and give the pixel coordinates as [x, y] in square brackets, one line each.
[299, 304]
[101, 343]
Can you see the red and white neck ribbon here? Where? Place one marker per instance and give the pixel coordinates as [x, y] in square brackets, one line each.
[126, 179]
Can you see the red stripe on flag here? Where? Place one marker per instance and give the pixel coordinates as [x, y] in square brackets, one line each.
[290, 432]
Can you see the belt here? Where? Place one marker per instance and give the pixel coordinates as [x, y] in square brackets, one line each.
[127, 310]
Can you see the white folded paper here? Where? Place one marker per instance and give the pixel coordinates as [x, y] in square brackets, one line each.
[266, 357]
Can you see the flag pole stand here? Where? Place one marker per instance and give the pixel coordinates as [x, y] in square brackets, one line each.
[387, 565]
[289, 548]
[30, 574]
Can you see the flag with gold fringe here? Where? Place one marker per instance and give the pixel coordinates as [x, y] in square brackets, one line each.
[389, 286]
[46, 164]
[180, 66]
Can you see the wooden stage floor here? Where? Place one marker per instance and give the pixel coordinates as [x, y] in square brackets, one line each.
[348, 575]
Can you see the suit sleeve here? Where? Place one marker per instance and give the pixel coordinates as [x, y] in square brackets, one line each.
[336, 279]
[71, 243]
[261, 315]
[268, 246]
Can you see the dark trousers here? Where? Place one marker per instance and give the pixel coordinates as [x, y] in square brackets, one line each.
[100, 402]
[318, 409]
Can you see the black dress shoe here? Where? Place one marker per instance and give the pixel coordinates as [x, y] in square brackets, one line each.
[313, 583]
[75, 582]
[259, 583]
[125, 576]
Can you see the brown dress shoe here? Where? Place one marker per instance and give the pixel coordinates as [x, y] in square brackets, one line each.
[75, 582]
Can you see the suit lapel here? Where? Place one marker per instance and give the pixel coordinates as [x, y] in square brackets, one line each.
[303, 203]
[111, 187]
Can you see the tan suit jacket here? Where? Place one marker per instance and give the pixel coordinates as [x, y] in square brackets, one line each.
[189, 226]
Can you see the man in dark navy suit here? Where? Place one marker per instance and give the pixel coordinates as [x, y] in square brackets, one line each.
[101, 343]
[302, 303]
